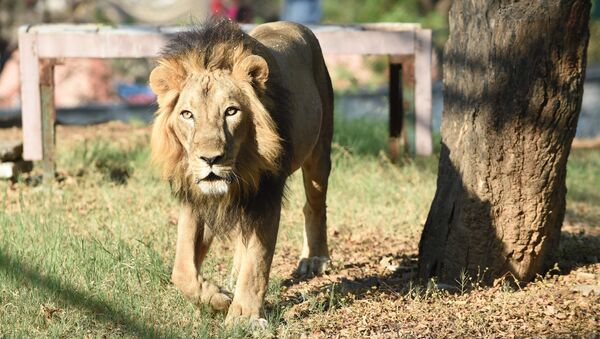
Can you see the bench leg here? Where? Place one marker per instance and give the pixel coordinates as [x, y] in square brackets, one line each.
[423, 137]
[396, 110]
[48, 120]
[30, 95]
[408, 84]
[402, 112]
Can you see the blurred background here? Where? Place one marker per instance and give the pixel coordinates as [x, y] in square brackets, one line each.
[95, 90]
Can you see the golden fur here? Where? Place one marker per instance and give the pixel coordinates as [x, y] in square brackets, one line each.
[166, 81]
[238, 113]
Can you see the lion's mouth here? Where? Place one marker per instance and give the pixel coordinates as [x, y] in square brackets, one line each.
[213, 184]
[212, 177]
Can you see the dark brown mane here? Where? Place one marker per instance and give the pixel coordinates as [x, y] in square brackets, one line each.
[219, 44]
[206, 41]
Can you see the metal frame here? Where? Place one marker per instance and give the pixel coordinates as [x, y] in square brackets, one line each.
[40, 46]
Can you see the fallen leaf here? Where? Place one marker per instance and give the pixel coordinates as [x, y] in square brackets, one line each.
[586, 276]
[49, 311]
[587, 290]
[387, 263]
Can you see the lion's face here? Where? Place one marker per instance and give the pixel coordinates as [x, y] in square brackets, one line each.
[211, 121]
[212, 131]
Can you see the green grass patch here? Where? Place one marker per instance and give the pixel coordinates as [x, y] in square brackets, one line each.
[91, 255]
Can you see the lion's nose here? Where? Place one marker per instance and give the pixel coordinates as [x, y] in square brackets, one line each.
[212, 160]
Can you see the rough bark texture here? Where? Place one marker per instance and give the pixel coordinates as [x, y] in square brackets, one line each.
[513, 76]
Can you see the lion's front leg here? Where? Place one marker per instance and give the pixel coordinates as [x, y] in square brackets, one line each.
[193, 242]
[254, 265]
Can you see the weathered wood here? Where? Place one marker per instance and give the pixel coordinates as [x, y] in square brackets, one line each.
[48, 119]
[408, 104]
[45, 42]
[423, 139]
[513, 77]
[390, 26]
[30, 95]
[63, 41]
[406, 138]
[100, 44]
[366, 42]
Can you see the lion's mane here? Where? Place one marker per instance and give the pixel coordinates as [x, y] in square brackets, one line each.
[220, 44]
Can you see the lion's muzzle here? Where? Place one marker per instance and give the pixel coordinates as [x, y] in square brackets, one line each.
[213, 179]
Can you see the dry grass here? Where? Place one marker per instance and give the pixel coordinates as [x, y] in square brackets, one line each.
[91, 256]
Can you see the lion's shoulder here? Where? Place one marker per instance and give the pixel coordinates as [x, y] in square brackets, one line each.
[283, 29]
[284, 35]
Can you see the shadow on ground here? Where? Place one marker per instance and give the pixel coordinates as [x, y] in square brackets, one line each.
[578, 250]
[70, 295]
[372, 279]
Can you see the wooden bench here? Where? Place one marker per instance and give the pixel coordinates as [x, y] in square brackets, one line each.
[41, 47]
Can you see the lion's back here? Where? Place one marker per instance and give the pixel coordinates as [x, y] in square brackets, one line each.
[303, 71]
[287, 38]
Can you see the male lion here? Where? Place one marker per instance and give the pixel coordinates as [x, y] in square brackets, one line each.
[238, 113]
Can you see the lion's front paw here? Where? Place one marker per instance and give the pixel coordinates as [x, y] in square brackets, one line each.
[313, 266]
[237, 312]
[214, 296]
[254, 322]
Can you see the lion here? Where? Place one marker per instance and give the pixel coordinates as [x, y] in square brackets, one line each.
[237, 114]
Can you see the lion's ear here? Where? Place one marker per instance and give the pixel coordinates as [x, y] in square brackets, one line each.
[254, 70]
[159, 80]
[167, 76]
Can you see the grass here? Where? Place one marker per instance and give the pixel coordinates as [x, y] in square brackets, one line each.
[583, 183]
[91, 255]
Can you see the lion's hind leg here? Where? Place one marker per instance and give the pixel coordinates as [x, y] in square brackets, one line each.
[314, 259]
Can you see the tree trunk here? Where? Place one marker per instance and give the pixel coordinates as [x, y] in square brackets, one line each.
[513, 80]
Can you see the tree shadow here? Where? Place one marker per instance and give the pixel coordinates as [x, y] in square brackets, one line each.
[327, 295]
[577, 250]
[587, 200]
[460, 236]
[70, 295]
[573, 215]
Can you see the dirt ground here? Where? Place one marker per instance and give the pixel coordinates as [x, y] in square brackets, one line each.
[372, 294]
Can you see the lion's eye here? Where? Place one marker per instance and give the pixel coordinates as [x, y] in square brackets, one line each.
[186, 114]
[231, 111]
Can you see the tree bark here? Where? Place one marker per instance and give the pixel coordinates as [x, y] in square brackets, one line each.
[513, 81]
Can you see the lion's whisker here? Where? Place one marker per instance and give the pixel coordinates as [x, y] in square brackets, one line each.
[239, 178]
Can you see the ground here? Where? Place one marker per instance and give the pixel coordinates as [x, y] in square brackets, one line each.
[91, 254]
